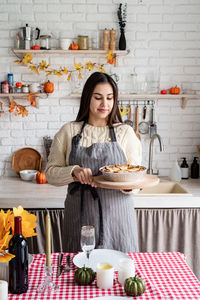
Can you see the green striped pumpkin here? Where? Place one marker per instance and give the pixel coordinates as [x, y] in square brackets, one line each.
[84, 276]
[134, 286]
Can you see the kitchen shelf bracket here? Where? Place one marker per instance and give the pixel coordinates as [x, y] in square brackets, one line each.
[184, 102]
[23, 96]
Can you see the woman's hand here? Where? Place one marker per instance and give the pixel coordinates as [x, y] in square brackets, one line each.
[84, 175]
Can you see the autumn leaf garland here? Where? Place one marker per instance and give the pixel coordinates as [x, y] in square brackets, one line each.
[78, 67]
[43, 66]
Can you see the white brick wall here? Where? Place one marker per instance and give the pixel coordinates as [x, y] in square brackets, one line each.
[161, 33]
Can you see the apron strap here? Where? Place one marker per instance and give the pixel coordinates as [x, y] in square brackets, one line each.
[95, 196]
[112, 133]
[76, 139]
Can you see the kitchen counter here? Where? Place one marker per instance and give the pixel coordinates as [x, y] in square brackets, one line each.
[162, 221]
[14, 191]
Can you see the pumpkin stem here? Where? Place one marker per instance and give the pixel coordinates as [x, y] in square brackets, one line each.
[135, 277]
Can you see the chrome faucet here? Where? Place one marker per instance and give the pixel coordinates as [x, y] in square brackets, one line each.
[150, 170]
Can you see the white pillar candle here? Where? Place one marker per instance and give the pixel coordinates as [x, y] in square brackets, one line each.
[126, 269]
[105, 274]
[3, 290]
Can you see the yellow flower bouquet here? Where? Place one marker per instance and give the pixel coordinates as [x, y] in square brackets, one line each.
[7, 229]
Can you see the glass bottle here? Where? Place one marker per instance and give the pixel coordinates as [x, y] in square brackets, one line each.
[18, 266]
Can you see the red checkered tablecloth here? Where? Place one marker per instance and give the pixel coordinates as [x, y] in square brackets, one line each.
[166, 274]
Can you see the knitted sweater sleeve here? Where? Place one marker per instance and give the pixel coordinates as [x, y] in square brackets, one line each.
[57, 171]
[131, 146]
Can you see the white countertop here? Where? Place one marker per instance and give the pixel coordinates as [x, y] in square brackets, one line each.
[14, 192]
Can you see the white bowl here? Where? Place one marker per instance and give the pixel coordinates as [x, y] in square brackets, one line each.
[28, 174]
[123, 176]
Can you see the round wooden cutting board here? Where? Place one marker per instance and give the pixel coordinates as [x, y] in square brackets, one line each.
[145, 181]
[26, 159]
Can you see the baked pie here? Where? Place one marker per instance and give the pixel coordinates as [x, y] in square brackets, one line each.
[125, 168]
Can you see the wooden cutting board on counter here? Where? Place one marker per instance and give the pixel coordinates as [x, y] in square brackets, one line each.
[26, 159]
[145, 181]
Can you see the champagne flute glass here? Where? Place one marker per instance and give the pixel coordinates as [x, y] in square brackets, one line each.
[87, 240]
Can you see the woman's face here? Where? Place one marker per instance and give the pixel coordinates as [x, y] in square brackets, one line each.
[101, 102]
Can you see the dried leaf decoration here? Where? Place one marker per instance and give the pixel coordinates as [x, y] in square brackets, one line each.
[57, 73]
[48, 72]
[34, 68]
[28, 221]
[89, 66]
[111, 57]
[69, 76]
[65, 71]
[7, 228]
[101, 69]
[19, 62]
[27, 58]
[18, 109]
[43, 65]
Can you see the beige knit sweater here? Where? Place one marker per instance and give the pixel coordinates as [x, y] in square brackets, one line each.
[59, 172]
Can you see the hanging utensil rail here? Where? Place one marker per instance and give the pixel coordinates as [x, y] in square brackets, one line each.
[137, 102]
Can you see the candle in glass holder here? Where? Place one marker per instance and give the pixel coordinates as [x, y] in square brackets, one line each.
[48, 240]
[105, 274]
[126, 269]
[3, 290]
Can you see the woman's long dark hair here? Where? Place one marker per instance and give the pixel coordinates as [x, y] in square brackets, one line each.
[92, 81]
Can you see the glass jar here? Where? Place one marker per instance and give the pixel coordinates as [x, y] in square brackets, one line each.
[45, 42]
[83, 42]
[126, 269]
[25, 88]
[18, 88]
[5, 87]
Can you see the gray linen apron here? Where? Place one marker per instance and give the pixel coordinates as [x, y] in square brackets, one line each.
[110, 211]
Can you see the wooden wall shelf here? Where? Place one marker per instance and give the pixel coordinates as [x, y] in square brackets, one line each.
[13, 96]
[125, 97]
[74, 52]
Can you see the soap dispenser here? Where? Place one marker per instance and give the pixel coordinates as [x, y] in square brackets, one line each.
[175, 172]
[184, 169]
[195, 168]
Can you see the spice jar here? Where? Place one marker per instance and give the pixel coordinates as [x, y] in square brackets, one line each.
[18, 87]
[126, 269]
[25, 88]
[5, 87]
[45, 42]
[83, 42]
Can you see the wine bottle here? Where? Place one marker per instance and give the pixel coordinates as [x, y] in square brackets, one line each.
[18, 266]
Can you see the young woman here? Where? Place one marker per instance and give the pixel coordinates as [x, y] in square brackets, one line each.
[97, 138]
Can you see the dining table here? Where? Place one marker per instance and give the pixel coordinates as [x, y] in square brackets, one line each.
[166, 275]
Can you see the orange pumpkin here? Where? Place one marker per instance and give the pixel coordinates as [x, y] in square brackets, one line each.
[41, 178]
[48, 87]
[175, 90]
[73, 46]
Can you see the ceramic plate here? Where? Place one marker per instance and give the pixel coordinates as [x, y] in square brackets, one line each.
[111, 298]
[100, 256]
[146, 180]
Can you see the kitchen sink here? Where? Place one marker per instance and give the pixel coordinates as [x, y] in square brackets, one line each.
[165, 188]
